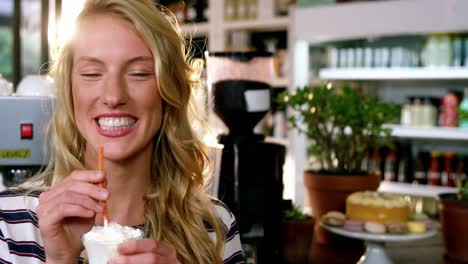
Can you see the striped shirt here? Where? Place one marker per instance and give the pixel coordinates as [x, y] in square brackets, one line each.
[21, 242]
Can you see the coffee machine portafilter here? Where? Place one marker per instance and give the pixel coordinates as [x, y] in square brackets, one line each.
[250, 180]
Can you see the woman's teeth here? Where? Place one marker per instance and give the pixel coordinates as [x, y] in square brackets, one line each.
[115, 123]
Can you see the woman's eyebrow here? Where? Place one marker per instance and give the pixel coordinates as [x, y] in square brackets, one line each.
[140, 58]
[89, 59]
[130, 61]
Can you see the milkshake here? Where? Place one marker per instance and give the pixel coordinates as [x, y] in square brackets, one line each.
[101, 241]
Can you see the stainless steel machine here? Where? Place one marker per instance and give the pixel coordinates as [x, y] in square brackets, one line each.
[23, 124]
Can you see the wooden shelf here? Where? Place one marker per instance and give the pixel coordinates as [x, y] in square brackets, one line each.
[277, 140]
[280, 82]
[196, 29]
[278, 23]
[422, 73]
[440, 133]
[415, 189]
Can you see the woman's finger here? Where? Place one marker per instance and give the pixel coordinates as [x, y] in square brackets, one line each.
[66, 198]
[93, 176]
[146, 245]
[70, 197]
[85, 188]
[94, 191]
[144, 258]
[138, 246]
[52, 214]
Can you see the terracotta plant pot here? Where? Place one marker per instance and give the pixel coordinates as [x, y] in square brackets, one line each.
[454, 222]
[329, 192]
[297, 239]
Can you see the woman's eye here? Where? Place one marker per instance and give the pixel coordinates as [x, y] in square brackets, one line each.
[91, 75]
[140, 74]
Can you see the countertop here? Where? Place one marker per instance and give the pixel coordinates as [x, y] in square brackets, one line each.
[425, 251]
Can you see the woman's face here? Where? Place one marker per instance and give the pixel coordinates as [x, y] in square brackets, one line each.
[116, 102]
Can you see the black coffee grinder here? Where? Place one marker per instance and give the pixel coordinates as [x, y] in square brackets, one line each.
[251, 177]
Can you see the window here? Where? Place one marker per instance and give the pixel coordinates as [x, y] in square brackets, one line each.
[6, 39]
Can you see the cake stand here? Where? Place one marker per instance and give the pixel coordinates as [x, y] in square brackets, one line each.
[375, 243]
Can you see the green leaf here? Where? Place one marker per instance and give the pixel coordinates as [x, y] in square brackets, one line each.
[326, 113]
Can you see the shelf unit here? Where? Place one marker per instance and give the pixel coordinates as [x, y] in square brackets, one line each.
[315, 25]
[380, 18]
[415, 189]
[196, 29]
[377, 74]
[217, 28]
[438, 133]
[270, 24]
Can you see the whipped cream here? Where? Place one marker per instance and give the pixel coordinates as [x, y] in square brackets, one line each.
[101, 241]
[112, 232]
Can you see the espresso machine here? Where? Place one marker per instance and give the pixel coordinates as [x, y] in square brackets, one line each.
[23, 120]
[250, 180]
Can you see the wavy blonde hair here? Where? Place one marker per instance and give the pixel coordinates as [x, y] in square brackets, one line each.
[177, 209]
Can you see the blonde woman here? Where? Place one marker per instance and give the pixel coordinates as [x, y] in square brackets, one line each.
[124, 84]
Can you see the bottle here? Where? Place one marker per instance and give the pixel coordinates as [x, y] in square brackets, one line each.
[429, 53]
[333, 57]
[459, 170]
[179, 10]
[420, 176]
[445, 50]
[389, 173]
[385, 57]
[191, 14]
[463, 109]
[282, 7]
[434, 173]
[343, 58]
[462, 168]
[351, 57]
[252, 9]
[229, 10]
[401, 177]
[374, 164]
[405, 118]
[405, 163]
[359, 57]
[368, 57]
[465, 48]
[428, 114]
[243, 10]
[201, 10]
[365, 164]
[448, 177]
[416, 112]
[449, 113]
[457, 48]
[378, 58]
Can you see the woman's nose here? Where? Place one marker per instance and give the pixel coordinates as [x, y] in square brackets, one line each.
[114, 92]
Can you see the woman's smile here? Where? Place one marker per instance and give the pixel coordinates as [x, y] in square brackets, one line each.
[116, 124]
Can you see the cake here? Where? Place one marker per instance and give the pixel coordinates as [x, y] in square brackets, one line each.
[377, 207]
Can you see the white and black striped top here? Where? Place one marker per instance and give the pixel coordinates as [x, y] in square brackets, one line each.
[21, 242]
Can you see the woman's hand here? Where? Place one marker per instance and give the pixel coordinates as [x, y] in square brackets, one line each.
[67, 211]
[147, 251]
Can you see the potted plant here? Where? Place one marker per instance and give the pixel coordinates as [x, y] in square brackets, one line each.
[454, 222]
[296, 238]
[341, 125]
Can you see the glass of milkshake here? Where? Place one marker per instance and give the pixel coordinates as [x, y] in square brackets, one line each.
[101, 241]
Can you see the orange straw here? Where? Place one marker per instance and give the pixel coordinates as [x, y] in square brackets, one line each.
[105, 213]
